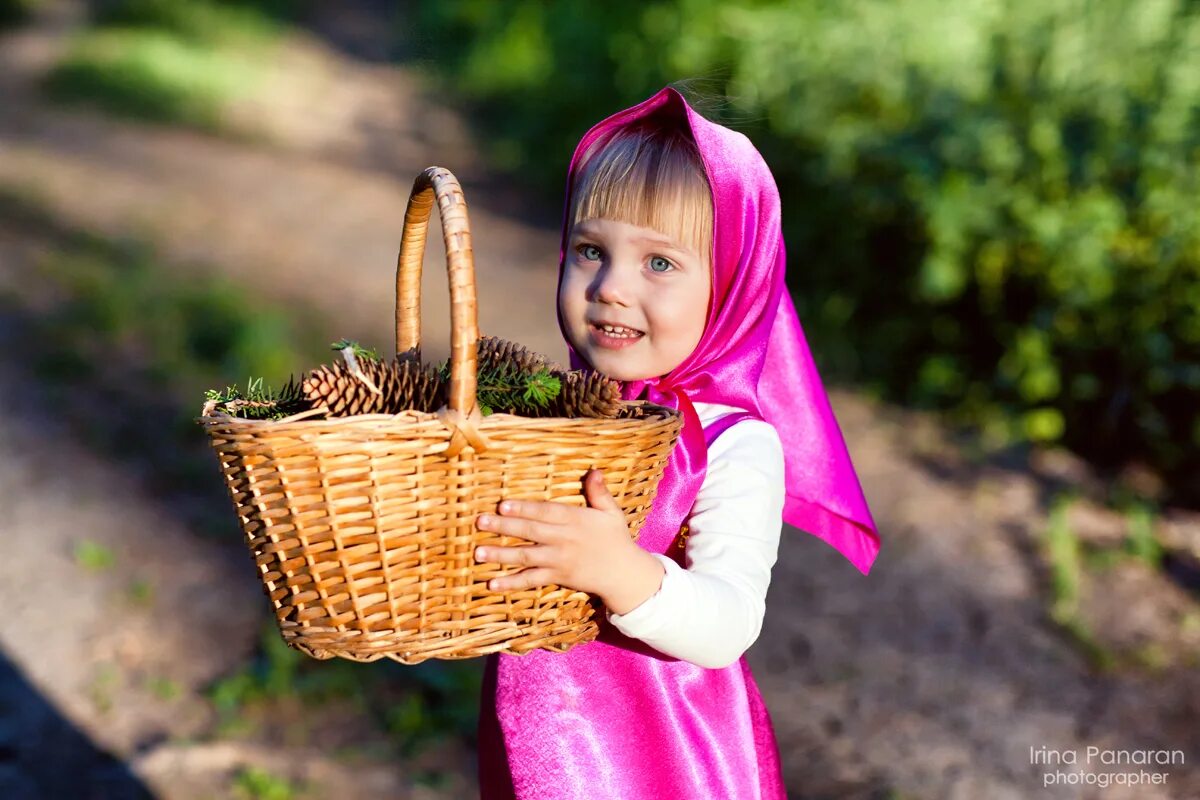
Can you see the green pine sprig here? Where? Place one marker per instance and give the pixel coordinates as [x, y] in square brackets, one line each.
[356, 348]
[509, 390]
[257, 400]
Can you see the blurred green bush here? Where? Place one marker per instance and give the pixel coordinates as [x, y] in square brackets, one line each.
[170, 62]
[988, 205]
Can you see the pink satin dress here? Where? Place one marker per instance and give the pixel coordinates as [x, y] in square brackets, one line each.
[614, 719]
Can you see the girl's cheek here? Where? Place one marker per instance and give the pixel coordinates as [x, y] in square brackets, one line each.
[571, 293]
[568, 306]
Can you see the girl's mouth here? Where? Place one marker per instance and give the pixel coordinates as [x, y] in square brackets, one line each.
[614, 339]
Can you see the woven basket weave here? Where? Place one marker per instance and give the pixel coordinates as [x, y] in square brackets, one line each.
[363, 527]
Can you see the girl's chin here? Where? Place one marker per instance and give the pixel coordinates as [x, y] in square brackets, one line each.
[617, 371]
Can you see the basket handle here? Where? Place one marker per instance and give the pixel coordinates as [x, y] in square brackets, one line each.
[463, 413]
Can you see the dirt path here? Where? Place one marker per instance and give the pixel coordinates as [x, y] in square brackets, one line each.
[936, 676]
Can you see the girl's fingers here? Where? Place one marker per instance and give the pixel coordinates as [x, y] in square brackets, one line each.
[522, 527]
[526, 579]
[528, 556]
[597, 493]
[540, 510]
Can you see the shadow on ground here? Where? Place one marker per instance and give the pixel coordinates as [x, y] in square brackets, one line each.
[30, 728]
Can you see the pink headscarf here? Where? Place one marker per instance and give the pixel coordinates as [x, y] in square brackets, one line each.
[753, 354]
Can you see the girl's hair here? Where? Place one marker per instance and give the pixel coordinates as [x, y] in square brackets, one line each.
[650, 175]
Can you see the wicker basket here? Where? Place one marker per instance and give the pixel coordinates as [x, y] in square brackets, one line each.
[363, 527]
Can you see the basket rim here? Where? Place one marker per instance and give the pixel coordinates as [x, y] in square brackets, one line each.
[660, 413]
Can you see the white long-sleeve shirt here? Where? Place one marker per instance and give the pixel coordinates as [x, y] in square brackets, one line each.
[711, 612]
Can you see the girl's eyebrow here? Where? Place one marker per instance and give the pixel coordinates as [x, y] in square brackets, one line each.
[583, 231]
[665, 244]
[657, 241]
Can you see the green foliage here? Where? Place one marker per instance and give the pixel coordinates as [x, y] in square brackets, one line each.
[164, 688]
[541, 72]
[440, 699]
[103, 686]
[149, 75]
[356, 348]
[94, 556]
[271, 675]
[417, 705]
[140, 592]
[1040, 157]
[166, 61]
[510, 390]
[988, 208]
[1141, 542]
[1063, 554]
[257, 401]
[1084, 640]
[212, 23]
[254, 391]
[255, 783]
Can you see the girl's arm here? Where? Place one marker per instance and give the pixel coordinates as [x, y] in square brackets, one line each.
[710, 613]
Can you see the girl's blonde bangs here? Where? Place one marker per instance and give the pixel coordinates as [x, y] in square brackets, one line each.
[650, 178]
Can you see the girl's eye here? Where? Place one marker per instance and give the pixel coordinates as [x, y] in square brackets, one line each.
[586, 249]
[666, 265]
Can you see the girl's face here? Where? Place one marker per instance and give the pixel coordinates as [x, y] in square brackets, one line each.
[653, 289]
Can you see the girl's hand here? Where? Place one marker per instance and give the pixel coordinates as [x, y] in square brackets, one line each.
[586, 549]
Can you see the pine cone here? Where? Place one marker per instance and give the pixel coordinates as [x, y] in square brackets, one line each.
[586, 393]
[418, 387]
[404, 385]
[583, 393]
[290, 399]
[492, 352]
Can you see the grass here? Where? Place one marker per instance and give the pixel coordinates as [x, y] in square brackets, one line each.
[213, 23]
[93, 556]
[152, 75]
[1140, 542]
[103, 686]
[1064, 556]
[1069, 562]
[140, 593]
[169, 62]
[255, 783]
[164, 688]
[416, 706]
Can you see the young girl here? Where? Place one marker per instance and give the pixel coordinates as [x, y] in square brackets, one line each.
[671, 280]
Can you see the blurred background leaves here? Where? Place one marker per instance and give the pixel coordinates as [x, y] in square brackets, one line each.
[170, 62]
[988, 207]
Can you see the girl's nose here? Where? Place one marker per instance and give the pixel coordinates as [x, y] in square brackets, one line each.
[610, 287]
